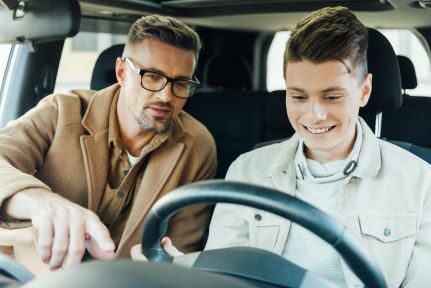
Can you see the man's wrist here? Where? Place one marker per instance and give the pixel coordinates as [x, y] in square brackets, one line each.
[6, 218]
[22, 205]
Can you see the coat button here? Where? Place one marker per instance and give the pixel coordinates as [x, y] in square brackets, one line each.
[387, 231]
[120, 194]
[125, 172]
[258, 217]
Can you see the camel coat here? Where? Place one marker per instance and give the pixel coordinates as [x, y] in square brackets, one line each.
[61, 146]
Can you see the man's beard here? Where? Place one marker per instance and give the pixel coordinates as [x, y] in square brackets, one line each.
[148, 125]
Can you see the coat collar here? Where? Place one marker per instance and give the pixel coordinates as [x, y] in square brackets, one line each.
[370, 159]
[96, 117]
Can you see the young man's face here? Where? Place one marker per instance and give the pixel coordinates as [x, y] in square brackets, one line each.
[323, 102]
[152, 111]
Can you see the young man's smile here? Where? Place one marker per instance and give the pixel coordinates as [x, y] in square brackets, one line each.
[318, 130]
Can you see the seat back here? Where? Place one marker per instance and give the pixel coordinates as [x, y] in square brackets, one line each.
[226, 72]
[234, 118]
[228, 108]
[412, 122]
[277, 124]
[104, 69]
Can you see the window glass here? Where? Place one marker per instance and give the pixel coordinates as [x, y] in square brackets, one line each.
[404, 41]
[274, 73]
[4, 56]
[79, 56]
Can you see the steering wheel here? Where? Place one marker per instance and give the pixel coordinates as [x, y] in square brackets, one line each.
[241, 267]
[251, 264]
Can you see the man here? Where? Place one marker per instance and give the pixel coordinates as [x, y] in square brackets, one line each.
[85, 168]
[379, 191]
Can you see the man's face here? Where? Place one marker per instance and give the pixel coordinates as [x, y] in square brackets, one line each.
[152, 111]
[323, 102]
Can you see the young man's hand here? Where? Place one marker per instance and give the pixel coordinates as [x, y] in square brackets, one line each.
[136, 254]
[63, 229]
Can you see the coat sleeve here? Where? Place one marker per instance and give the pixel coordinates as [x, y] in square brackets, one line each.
[227, 228]
[188, 228]
[418, 274]
[23, 145]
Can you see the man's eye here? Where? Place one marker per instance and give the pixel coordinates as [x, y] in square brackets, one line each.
[333, 98]
[152, 76]
[298, 97]
[182, 84]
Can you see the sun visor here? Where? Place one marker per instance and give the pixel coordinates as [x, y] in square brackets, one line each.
[38, 20]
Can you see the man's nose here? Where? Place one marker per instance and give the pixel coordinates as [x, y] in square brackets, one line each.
[318, 111]
[166, 94]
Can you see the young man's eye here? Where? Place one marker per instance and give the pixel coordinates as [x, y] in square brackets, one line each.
[333, 98]
[298, 97]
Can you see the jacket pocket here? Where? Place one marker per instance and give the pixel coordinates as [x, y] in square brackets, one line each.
[390, 240]
[264, 227]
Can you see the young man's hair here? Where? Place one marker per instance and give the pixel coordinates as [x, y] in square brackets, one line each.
[331, 33]
[165, 29]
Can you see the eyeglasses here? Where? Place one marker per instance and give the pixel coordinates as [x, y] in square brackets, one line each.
[154, 82]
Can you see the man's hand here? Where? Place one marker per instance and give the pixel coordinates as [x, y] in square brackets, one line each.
[63, 229]
[136, 254]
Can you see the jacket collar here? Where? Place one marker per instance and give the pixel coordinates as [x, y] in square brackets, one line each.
[96, 117]
[370, 160]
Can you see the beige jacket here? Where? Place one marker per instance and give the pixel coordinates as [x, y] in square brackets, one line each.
[390, 188]
[61, 145]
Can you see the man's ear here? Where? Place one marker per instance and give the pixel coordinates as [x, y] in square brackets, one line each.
[120, 72]
[366, 90]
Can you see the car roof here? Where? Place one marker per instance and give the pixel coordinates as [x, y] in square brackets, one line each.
[262, 15]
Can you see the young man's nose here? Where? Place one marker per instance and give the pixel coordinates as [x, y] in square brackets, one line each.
[317, 110]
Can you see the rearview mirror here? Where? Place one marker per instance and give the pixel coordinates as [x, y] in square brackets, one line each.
[38, 20]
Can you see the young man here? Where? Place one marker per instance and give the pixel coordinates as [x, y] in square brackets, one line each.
[85, 168]
[380, 192]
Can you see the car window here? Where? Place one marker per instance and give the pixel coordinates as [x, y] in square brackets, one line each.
[404, 42]
[79, 56]
[4, 56]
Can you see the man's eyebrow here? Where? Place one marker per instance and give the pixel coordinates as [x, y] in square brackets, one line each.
[297, 89]
[152, 69]
[333, 89]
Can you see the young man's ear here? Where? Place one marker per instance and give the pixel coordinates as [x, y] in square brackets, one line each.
[120, 72]
[366, 90]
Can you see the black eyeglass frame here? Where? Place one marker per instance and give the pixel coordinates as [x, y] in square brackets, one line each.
[141, 73]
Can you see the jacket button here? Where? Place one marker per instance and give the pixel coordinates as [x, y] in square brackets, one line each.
[387, 231]
[120, 194]
[125, 172]
[258, 217]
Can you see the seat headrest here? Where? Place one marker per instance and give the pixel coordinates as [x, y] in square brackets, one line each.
[408, 73]
[383, 64]
[104, 69]
[227, 72]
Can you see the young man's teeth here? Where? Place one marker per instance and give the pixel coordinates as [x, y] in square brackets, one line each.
[318, 130]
